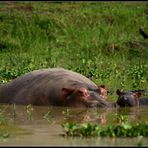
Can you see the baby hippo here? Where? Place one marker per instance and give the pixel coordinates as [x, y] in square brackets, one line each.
[54, 86]
[131, 98]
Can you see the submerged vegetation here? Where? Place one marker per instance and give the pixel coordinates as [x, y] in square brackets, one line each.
[49, 117]
[29, 111]
[6, 128]
[100, 40]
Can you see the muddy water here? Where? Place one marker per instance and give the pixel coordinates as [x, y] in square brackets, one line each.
[44, 128]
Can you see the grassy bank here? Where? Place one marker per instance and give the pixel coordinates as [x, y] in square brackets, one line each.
[100, 40]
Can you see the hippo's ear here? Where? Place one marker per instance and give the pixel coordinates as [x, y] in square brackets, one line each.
[118, 92]
[66, 91]
[102, 86]
[102, 91]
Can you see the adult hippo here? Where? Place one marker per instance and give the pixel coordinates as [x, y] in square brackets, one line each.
[54, 86]
[131, 98]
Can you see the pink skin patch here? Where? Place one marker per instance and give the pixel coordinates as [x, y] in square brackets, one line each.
[136, 98]
[102, 92]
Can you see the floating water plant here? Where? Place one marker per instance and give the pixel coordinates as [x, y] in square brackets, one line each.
[123, 129]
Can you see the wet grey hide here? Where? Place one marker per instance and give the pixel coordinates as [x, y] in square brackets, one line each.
[131, 98]
[52, 86]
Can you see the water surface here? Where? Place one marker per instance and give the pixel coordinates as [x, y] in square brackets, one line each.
[38, 130]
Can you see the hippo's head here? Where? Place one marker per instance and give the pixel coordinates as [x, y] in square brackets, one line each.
[82, 97]
[130, 98]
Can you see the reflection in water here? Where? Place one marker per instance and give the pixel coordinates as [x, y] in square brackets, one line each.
[45, 127]
[134, 114]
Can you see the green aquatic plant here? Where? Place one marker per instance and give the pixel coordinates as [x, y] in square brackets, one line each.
[29, 110]
[4, 135]
[123, 118]
[123, 129]
[3, 123]
[14, 110]
[48, 116]
[140, 141]
[3, 120]
[66, 112]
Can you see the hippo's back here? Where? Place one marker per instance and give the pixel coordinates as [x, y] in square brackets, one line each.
[45, 82]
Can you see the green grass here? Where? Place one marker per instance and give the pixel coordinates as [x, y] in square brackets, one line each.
[100, 40]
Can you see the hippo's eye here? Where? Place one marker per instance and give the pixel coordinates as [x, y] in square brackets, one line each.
[80, 92]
